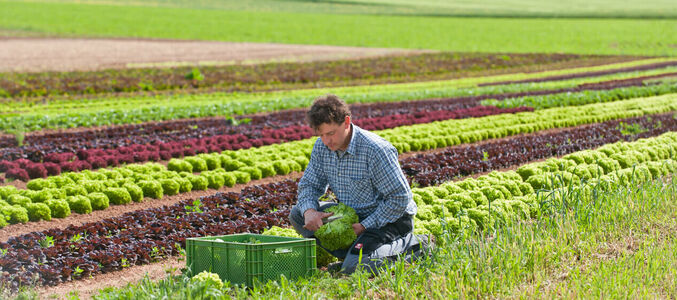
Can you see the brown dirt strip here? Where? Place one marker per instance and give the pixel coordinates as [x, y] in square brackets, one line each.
[73, 54]
[87, 288]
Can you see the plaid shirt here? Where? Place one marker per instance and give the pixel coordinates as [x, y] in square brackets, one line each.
[366, 177]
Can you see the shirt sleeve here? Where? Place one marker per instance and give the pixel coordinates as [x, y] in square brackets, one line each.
[313, 184]
[392, 184]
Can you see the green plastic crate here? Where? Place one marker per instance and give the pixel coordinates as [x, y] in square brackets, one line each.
[241, 262]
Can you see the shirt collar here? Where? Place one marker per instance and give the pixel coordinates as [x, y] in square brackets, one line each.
[351, 146]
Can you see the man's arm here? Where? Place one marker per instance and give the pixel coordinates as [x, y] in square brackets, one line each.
[313, 184]
[392, 184]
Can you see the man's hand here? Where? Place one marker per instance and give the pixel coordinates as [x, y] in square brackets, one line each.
[358, 228]
[314, 218]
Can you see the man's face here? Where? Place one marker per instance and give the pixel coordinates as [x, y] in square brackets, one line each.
[335, 136]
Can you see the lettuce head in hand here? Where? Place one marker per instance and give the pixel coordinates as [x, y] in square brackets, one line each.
[338, 234]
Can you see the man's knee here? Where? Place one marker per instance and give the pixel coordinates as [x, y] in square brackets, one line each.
[297, 222]
[293, 212]
[381, 255]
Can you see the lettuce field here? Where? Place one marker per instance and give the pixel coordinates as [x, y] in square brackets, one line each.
[540, 168]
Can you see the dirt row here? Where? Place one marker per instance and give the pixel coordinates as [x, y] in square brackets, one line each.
[36, 54]
[86, 288]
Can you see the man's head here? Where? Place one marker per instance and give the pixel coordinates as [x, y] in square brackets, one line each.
[329, 116]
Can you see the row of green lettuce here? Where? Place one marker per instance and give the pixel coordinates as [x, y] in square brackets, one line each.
[504, 197]
[159, 108]
[86, 191]
[94, 190]
[585, 97]
[462, 131]
[55, 105]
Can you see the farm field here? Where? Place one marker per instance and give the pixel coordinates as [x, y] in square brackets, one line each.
[30, 54]
[612, 36]
[521, 8]
[539, 141]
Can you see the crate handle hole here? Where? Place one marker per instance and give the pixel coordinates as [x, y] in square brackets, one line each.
[283, 250]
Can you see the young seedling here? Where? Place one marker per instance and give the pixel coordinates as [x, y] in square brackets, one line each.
[46, 242]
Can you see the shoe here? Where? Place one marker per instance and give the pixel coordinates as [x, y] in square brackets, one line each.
[426, 244]
[334, 267]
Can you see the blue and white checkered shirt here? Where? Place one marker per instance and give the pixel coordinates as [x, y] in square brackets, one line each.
[366, 177]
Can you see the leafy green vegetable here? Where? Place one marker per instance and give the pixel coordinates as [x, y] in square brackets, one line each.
[323, 257]
[338, 234]
[209, 279]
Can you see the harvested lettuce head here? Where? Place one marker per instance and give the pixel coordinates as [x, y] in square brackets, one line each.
[338, 234]
[323, 257]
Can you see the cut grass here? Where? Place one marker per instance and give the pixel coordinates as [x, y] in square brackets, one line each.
[656, 37]
[487, 8]
[615, 245]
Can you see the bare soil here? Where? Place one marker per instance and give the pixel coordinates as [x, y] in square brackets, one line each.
[87, 288]
[36, 54]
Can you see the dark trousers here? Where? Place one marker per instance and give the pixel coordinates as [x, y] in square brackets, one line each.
[376, 245]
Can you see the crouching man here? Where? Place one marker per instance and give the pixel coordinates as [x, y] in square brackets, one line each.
[362, 170]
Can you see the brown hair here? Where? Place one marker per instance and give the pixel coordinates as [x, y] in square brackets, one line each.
[327, 109]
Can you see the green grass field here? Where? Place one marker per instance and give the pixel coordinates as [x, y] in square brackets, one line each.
[485, 8]
[655, 37]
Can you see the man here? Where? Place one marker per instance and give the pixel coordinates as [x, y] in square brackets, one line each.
[362, 170]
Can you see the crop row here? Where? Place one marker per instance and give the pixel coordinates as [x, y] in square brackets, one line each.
[455, 132]
[588, 74]
[241, 166]
[563, 112]
[83, 192]
[436, 168]
[127, 135]
[144, 109]
[140, 237]
[502, 197]
[584, 97]
[77, 104]
[57, 255]
[87, 159]
[271, 76]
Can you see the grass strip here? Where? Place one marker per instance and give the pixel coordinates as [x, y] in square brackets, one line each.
[491, 8]
[483, 34]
